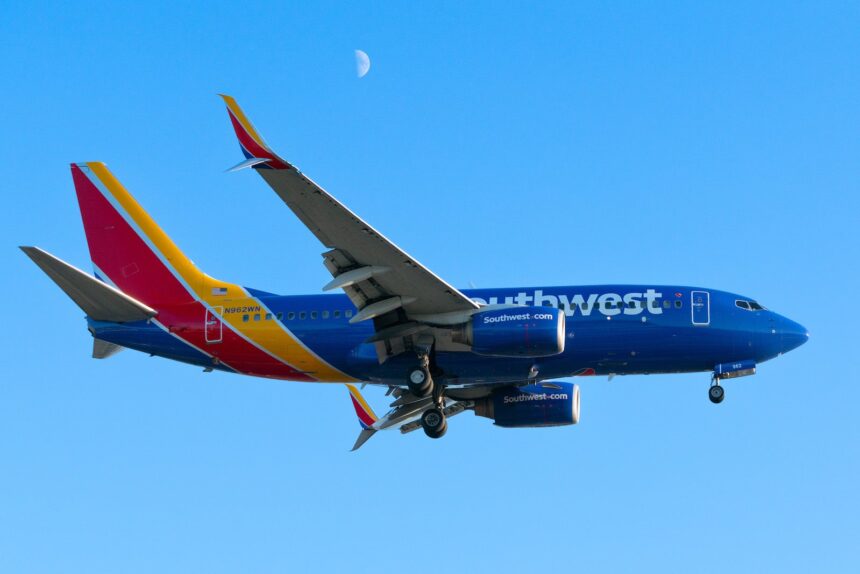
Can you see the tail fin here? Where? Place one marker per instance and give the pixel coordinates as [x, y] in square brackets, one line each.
[127, 247]
[366, 417]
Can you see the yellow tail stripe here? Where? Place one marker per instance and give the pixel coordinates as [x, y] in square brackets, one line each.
[243, 119]
[269, 335]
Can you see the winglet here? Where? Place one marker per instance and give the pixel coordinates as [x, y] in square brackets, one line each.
[366, 416]
[250, 141]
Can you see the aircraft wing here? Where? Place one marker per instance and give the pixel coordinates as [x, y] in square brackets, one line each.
[383, 281]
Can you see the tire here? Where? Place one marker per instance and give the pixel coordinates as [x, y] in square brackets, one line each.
[716, 393]
[434, 422]
[419, 382]
[440, 432]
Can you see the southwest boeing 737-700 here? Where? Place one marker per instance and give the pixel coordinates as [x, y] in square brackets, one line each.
[439, 350]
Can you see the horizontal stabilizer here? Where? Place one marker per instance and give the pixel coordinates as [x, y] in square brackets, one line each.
[363, 437]
[98, 300]
[103, 349]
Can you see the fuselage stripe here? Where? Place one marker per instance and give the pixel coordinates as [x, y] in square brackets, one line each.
[183, 316]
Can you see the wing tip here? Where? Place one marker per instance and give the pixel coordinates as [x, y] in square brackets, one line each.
[229, 100]
[250, 140]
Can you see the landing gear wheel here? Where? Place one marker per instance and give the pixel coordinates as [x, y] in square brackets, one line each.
[434, 423]
[419, 381]
[716, 393]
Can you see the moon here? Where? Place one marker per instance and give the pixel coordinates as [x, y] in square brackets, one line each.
[362, 63]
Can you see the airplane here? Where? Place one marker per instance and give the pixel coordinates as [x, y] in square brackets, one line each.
[502, 353]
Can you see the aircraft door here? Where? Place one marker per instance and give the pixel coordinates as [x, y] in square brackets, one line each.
[212, 326]
[700, 303]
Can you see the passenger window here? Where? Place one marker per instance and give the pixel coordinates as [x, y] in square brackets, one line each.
[347, 313]
[325, 314]
[256, 316]
[268, 316]
[573, 306]
[291, 316]
[655, 304]
[313, 314]
[585, 306]
[280, 316]
[337, 314]
[302, 315]
[667, 304]
[244, 318]
[678, 304]
[631, 304]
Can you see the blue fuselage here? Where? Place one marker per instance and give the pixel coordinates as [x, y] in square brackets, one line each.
[609, 329]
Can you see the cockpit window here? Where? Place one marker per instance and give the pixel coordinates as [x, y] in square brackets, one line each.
[749, 305]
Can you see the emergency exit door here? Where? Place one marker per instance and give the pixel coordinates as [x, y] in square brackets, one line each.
[700, 303]
[213, 326]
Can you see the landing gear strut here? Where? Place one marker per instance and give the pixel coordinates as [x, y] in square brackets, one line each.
[418, 379]
[716, 393]
[421, 384]
[433, 420]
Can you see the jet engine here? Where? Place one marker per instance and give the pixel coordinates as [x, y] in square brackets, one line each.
[514, 332]
[537, 405]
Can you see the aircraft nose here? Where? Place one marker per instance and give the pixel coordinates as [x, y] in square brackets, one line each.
[792, 334]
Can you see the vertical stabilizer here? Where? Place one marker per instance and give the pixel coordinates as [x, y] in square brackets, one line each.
[127, 248]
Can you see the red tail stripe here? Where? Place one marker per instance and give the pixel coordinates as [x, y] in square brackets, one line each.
[119, 251]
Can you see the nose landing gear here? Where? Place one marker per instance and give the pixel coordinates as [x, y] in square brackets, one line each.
[716, 393]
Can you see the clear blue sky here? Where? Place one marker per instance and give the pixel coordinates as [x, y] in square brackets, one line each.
[501, 145]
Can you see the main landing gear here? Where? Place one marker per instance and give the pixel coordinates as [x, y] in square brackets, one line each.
[419, 381]
[716, 393]
[421, 384]
[434, 422]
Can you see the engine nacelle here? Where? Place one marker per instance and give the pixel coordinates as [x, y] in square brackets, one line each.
[514, 332]
[538, 405]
